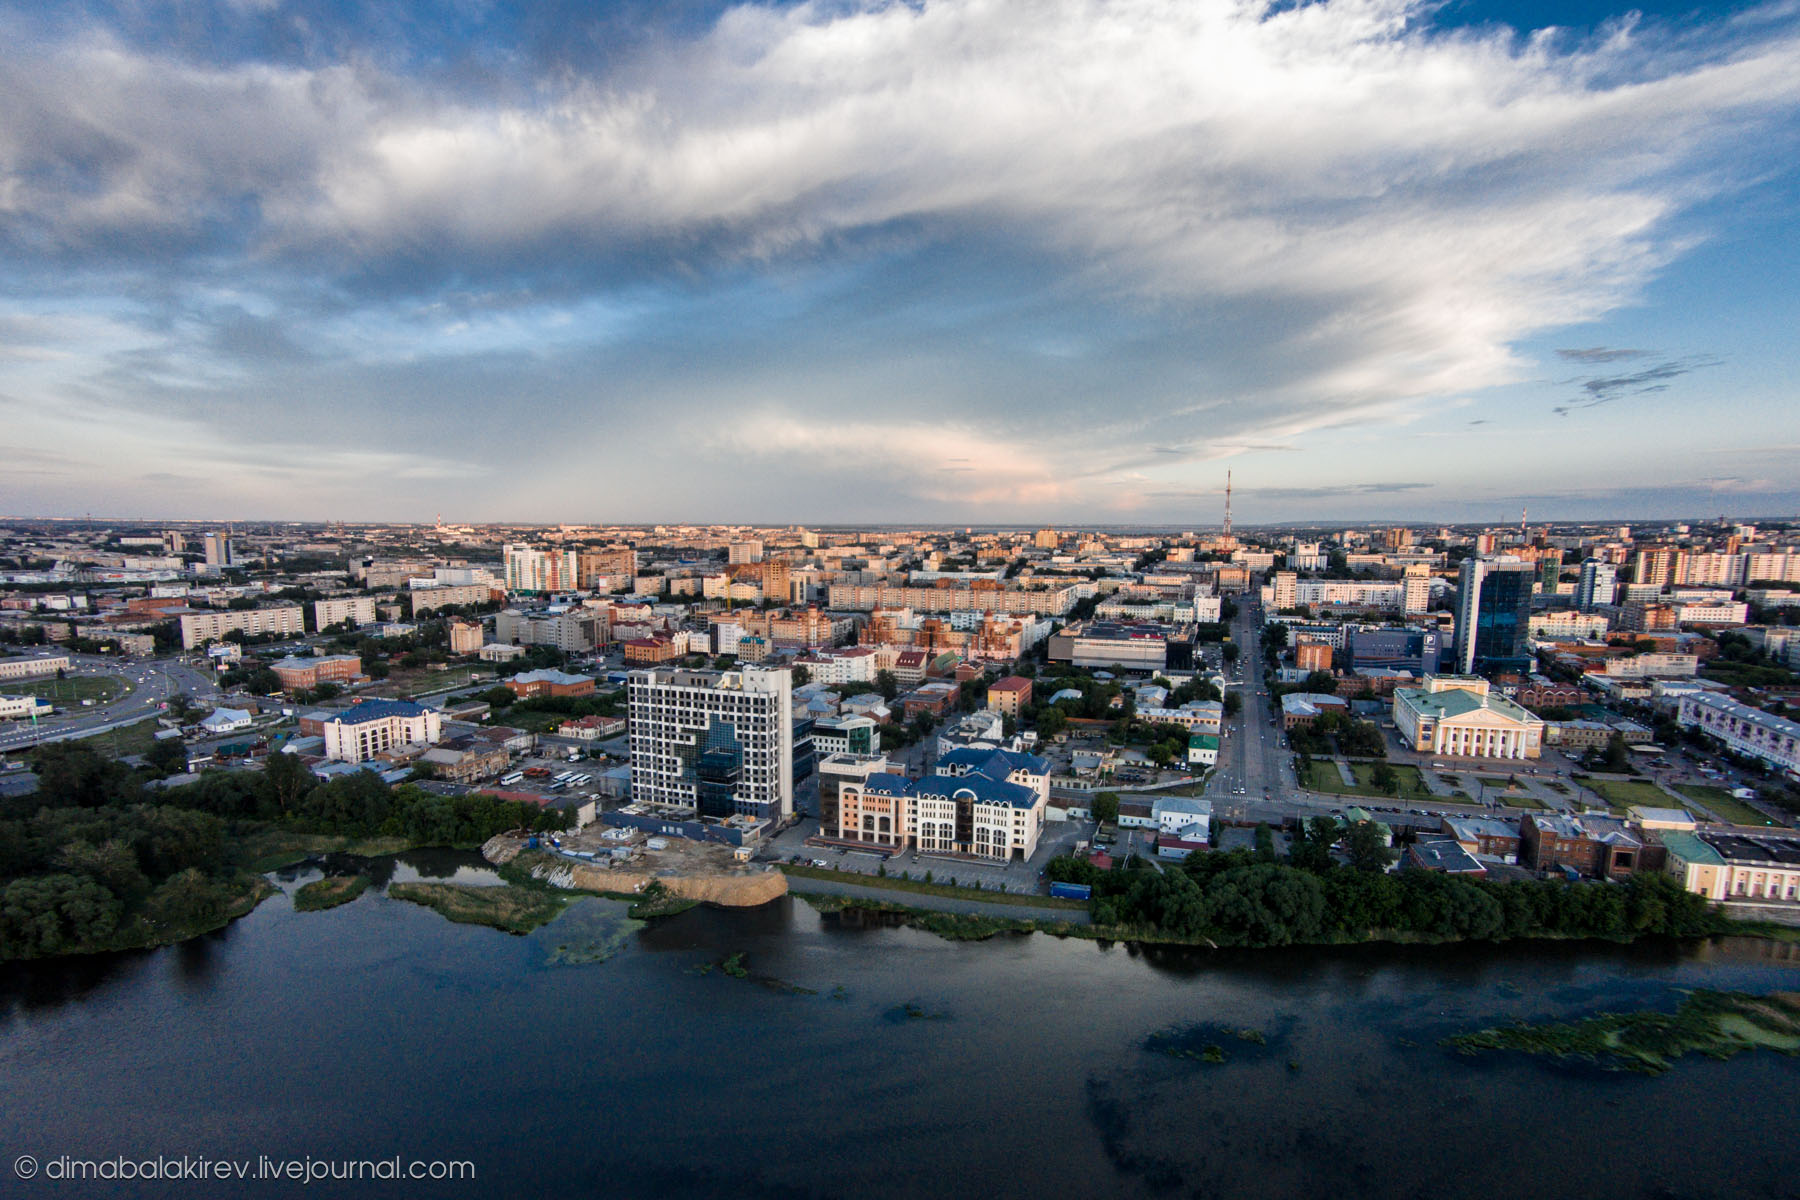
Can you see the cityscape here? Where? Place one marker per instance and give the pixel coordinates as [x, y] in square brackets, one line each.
[722, 599]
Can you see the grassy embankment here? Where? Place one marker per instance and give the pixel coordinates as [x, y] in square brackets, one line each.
[270, 847]
[513, 909]
[920, 887]
[330, 892]
[1716, 1024]
[955, 927]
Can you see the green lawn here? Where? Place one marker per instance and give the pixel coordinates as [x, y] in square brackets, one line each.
[1324, 777]
[1623, 794]
[70, 692]
[1723, 804]
[891, 883]
[1521, 800]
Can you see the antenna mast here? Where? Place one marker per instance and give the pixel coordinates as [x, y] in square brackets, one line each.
[1227, 503]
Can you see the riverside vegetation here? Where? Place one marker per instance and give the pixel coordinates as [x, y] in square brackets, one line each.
[95, 860]
[1250, 898]
[1716, 1024]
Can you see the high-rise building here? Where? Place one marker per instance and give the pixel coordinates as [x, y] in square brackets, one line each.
[218, 550]
[721, 742]
[529, 569]
[1493, 615]
[749, 550]
[1656, 565]
[1599, 582]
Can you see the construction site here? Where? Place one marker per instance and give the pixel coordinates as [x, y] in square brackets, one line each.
[627, 861]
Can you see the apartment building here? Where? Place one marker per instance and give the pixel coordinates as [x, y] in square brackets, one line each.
[718, 742]
[459, 595]
[529, 569]
[1010, 695]
[616, 564]
[465, 636]
[357, 610]
[1743, 729]
[199, 627]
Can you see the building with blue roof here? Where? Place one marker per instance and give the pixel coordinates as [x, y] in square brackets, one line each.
[370, 727]
[979, 802]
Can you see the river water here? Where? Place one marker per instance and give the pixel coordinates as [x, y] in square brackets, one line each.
[867, 1062]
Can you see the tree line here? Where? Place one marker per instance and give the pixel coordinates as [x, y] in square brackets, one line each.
[1247, 898]
[96, 861]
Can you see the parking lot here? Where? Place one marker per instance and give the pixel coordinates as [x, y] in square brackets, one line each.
[1059, 837]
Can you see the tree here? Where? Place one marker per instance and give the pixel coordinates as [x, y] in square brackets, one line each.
[887, 684]
[1617, 757]
[1386, 778]
[1368, 848]
[1265, 842]
[1106, 807]
[1051, 721]
[1229, 653]
[802, 675]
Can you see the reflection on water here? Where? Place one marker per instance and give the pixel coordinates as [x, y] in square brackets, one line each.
[1033, 1067]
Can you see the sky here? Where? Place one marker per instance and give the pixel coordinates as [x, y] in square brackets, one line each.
[1061, 261]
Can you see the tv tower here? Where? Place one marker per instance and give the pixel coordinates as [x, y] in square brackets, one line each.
[1227, 504]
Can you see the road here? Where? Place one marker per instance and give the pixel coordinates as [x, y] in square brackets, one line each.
[149, 683]
[1253, 763]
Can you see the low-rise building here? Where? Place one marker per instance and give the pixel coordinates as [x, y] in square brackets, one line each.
[1300, 709]
[981, 804]
[297, 673]
[550, 683]
[591, 728]
[1459, 716]
[1203, 750]
[32, 666]
[374, 726]
[1730, 866]
[1590, 846]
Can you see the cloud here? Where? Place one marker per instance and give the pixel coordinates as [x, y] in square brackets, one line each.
[1600, 354]
[1605, 389]
[1101, 237]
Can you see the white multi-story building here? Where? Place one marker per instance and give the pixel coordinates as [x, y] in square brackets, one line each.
[1730, 613]
[529, 569]
[1748, 731]
[1599, 583]
[987, 803]
[428, 597]
[358, 610]
[720, 742]
[198, 628]
[1565, 623]
[750, 550]
[362, 732]
[32, 666]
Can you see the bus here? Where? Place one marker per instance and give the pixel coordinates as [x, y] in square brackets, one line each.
[509, 780]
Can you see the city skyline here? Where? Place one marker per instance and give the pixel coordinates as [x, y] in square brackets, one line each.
[956, 263]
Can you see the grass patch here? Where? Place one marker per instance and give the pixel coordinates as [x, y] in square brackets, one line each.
[513, 909]
[123, 743]
[920, 887]
[1324, 777]
[1520, 800]
[1621, 794]
[322, 894]
[70, 692]
[1716, 1024]
[1723, 804]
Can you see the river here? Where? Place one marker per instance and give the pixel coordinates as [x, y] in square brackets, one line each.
[867, 1062]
